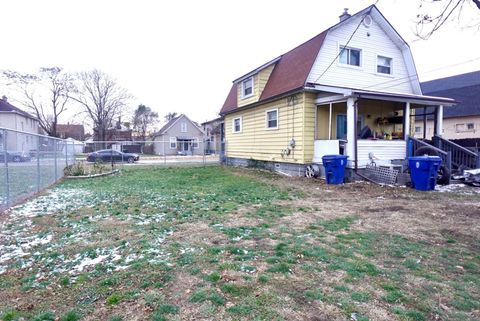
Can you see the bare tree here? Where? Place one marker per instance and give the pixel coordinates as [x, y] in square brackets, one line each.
[143, 118]
[168, 117]
[101, 98]
[45, 94]
[441, 12]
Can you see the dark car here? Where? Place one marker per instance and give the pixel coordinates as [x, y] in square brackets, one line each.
[14, 156]
[109, 155]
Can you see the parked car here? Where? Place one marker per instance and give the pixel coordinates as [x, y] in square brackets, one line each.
[109, 155]
[14, 156]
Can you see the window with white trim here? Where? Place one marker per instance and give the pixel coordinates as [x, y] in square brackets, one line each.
[173, 142]
[418, 129]
[183, 127]
[247, 87]
[195, 142]
[350, 56]
[470, 126]
[237, 125]
[271, 120]
[384, 65]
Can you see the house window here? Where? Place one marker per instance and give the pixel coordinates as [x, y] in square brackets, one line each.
[418, 129]
[272, 119]
[384, 65]
[237, 125]
[195, 142]
[459, 128]
[247, 87]
[173, 142]
[470, 126]
[350, 56]
[183, 127]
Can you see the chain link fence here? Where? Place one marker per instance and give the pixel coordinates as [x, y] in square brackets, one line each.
[172, 152]
[29, 163]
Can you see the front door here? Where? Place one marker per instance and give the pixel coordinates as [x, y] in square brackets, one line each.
[185, 146]
[341, 126]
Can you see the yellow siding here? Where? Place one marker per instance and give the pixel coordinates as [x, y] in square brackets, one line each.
[249, 100]
[257, 142]
[259, 82]
[263, 76]
[309, 125]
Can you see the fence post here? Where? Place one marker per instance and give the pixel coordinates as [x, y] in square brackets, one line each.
[66, 152]
[7, 180]
[38, 164]
[121, 150]
[164, 152]
[449, 166]
[55, 153]
[204, 152]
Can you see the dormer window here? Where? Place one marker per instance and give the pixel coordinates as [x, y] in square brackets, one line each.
[247, 87]
[384, 65]
[350, 56]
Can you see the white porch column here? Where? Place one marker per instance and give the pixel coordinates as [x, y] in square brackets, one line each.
[406, 130]
[350, 129]
[439, 120]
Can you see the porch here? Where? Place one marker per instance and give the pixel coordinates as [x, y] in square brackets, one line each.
[370, 126]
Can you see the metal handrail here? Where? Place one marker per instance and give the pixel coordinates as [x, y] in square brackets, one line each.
[461, 156]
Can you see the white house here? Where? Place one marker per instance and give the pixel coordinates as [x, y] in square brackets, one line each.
[14, 118]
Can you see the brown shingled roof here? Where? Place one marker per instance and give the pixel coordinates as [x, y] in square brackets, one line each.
[292, 70]
[231, 101]
[289, 73]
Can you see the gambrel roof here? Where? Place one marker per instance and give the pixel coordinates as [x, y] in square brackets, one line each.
[291, 70]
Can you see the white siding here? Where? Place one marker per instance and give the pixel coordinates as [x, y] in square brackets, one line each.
[372, 41]
[383, 150]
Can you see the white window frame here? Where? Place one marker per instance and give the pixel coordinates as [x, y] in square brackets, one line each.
[195, 142]
[341, 47]
[391, 66]
[243, 87]
[233, 125]
[419, 129]
[183, 127]
[173, 143]
[266, 119]
[470, 129]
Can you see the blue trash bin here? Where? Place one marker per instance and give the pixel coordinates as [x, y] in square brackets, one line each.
[423, 171]
[334, 168]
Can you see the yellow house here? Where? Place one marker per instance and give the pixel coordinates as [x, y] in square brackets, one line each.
[350, 90]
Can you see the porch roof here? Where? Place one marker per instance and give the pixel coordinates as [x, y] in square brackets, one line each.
[389, 96]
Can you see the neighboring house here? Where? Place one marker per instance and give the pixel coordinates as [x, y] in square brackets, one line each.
[15, 118]
[179, 136]
[117, 133]
[461, 121]
[213, 130]
[73, 131]
[350, 90]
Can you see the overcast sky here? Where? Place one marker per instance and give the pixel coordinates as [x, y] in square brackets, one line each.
[183, 55]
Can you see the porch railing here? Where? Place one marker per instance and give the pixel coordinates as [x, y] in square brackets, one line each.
[413, 144]
[461, 156]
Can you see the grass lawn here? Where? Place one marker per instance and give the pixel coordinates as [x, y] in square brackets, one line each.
[215, 243]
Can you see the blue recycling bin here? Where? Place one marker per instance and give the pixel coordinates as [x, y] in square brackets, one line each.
[423, 171]
[334, 168]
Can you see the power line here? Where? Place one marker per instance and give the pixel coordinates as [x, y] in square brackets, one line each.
[410, 77]
[346, 45]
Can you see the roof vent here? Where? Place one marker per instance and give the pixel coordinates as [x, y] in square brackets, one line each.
[345, 15]
[4, 98]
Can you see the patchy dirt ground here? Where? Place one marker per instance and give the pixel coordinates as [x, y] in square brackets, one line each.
[219, 243]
